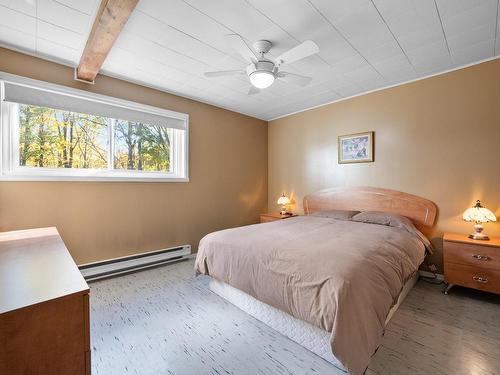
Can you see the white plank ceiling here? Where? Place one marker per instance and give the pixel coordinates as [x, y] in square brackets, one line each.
[169, 44]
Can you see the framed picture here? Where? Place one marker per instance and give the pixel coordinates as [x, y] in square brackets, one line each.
[356, 148]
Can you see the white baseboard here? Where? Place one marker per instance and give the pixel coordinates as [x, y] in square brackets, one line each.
[135, 262]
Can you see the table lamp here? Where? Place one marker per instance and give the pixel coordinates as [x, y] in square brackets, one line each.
[283, 201]
[480, 215]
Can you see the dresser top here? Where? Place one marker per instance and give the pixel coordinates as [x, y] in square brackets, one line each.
[35, 266]
[464, 238]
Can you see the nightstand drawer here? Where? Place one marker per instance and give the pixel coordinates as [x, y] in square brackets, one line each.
[472, 277]
[267, 219]
[274, 216]
[472, 255]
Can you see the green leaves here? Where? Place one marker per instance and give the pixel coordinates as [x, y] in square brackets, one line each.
[51, 138]
[141, 146]
[60, 139]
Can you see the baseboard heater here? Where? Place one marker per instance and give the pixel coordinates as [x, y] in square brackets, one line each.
[130, 263]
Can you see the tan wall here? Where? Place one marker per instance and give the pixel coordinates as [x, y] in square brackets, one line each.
[438, 138]
[99, 220]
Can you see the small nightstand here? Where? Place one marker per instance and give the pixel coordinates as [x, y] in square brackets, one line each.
[273, 216]
[471, 263]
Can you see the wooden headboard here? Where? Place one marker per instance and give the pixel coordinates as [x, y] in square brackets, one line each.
[421, 211]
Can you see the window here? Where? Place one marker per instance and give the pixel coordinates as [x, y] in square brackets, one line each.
[50, 138]
[54, 133]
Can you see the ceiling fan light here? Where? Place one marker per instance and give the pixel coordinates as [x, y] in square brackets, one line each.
[261, 79]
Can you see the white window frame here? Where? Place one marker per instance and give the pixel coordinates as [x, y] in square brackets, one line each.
[9, 142]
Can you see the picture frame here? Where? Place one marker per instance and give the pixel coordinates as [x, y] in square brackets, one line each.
[356, 148]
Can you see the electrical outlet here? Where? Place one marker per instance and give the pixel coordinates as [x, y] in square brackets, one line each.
[433, 268]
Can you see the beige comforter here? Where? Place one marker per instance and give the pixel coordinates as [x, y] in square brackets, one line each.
[341, 276]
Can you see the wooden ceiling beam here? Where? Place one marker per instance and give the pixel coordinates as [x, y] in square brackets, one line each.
[110, 20]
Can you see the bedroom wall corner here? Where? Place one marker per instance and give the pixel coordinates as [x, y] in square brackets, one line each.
[437, 138]
[228, 173]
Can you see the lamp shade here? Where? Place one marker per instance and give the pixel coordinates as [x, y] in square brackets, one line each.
[283, 199]
[479, 214]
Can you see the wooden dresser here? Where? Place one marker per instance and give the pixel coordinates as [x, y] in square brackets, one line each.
[44, 306]
[471, 263]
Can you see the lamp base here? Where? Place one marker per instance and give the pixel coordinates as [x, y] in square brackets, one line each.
[478, 236]
[283, 211]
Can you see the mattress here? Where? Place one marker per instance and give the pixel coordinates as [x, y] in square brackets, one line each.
[305, 334]
[340, 276]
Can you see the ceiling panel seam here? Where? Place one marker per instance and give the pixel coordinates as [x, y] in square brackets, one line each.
[187, 56]
[36, 26]
[38, 19]
[442, 29]
[394, 36]
[496, 32]
[347, 40]
[69, 7]
[213, 19]
[284, 30]
[15, 10]
[183, 32]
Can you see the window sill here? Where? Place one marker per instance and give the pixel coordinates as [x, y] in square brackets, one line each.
[55, 178]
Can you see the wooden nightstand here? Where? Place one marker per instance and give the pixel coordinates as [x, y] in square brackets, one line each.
[273, 216]
[471, 263]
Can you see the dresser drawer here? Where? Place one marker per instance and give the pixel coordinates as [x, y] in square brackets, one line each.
[472, 255]
[472, 277]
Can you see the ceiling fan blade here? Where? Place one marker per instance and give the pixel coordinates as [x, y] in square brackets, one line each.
[296, 79]
[239, 45]
[253, 90]
[299, 52]
[224, 73]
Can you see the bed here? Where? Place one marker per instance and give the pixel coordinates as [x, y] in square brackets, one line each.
[329, 283]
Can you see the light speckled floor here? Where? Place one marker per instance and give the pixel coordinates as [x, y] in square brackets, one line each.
[165, 321]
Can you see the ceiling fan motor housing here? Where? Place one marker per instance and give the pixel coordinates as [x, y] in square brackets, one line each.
[261, 66]
[262, 46]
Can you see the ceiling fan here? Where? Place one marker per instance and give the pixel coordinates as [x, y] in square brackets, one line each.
[263, 71]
